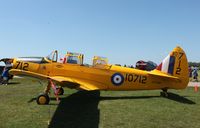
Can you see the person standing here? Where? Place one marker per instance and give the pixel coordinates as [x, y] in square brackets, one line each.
[5, 76]
[195, 74]
[190, 71]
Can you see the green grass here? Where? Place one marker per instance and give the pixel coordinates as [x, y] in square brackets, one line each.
[199, 75]
[108, 109]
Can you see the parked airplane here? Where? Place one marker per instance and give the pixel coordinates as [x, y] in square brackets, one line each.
[172, 73]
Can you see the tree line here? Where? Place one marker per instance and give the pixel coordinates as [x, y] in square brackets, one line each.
[194, 64]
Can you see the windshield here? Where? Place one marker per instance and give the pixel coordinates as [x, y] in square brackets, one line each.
[53, 56]
[73, 60]
[97, 60]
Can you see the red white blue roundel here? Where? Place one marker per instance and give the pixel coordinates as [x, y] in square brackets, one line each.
[117, 79]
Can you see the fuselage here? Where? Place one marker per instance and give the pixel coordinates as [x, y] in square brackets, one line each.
[109, 77]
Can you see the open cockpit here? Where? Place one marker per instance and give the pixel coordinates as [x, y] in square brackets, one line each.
[68, 58]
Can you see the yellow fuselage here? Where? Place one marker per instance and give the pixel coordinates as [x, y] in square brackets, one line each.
[106, 76]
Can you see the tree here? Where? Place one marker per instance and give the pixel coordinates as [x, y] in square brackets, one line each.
[194, 64]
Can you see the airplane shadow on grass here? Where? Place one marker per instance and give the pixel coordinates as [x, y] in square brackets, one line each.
[77, 110]
[13, 83]
[172, 96]
[180, 99]
[81, 108]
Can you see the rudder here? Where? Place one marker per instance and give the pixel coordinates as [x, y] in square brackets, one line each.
[176, 64]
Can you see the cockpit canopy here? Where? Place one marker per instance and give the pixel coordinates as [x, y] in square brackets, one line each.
[74, 58]
[53, 56]
[97, 60]
[69, 58]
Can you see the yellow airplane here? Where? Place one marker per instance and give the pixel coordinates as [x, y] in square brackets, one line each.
[172, 73]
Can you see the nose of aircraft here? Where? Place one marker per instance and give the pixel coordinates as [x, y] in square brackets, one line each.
[7, 61]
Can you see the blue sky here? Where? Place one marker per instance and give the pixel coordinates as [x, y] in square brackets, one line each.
[122, 30]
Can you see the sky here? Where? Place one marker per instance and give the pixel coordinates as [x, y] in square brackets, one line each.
[124, 31]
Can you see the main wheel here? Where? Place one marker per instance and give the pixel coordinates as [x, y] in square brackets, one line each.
[164, 94]
[43, 99]
[61, 91]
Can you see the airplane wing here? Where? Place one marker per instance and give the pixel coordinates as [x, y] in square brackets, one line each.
[64, 81]
[79, 83]
[18, 72]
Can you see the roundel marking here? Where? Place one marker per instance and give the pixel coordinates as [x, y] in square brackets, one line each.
[117, 79]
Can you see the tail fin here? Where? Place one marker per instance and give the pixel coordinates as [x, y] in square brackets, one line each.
[176, 64]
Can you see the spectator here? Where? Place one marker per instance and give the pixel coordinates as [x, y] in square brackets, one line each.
[195, 73]
[5, 76]
[190, 71]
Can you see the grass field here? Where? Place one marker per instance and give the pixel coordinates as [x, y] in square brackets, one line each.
[108, 109]
[199, 75]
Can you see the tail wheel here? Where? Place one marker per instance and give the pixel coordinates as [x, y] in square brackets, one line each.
[43, 99]
[60, 91]
[164, 93]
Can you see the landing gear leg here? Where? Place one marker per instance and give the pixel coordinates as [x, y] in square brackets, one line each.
[43, 98]
[60, 90]
[47, 89]
[164, 93]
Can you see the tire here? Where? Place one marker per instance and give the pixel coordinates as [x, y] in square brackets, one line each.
[163, 94]
[43, 99]
[61, 91]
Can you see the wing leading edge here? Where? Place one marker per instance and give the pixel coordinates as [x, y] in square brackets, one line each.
[64, 81]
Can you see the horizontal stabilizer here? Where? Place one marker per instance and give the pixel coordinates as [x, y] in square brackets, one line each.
[161, 74]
